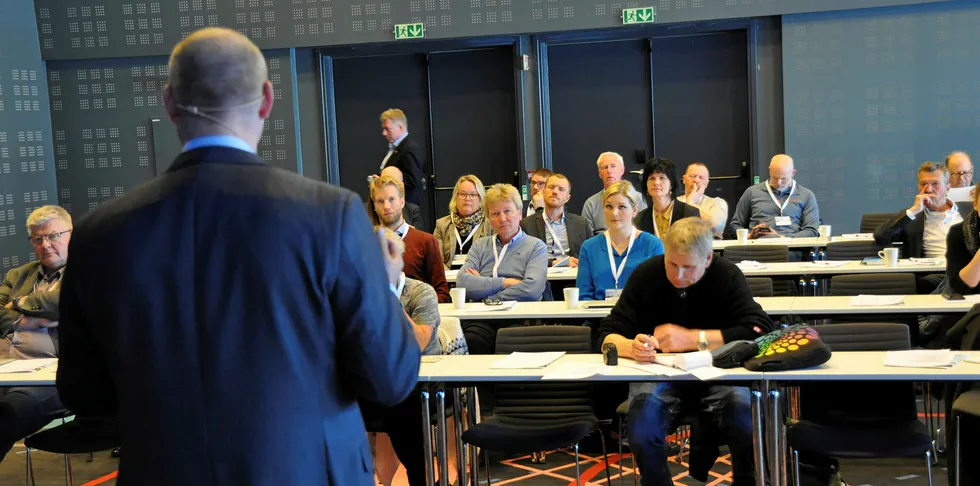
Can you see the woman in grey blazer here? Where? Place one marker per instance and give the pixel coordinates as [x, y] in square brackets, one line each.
[466, 221]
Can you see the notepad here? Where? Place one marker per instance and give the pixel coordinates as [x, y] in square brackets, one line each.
[873, 300]
[599, 304]
[875, 261]
[652, 368]
[924, 261]
[923, 358]
[27, 365]
[686, 361]
[523, 361]
[853, 236]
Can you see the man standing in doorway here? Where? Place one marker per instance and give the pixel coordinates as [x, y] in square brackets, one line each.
[611, 170]
[403, 153]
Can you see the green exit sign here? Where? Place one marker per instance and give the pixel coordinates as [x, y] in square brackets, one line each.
[643, 15]
[409, 31]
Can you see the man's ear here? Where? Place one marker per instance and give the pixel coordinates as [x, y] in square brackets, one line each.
[170, 104]
[268, 98]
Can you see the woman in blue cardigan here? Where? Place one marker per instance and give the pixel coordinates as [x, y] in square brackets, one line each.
[599, 276]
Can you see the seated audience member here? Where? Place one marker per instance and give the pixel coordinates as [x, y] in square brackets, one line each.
[962, 262]
[960, 175]
[413, 213]
[562, 231]
[538, 180]
[508, 266]
[403, 422]
[611, 170]
[423, 261]
[713, 209]
[608, 259]
[778, 206]
[29, 320]
[685, 300]
[660, 177]
[922, 228]
[466, 222]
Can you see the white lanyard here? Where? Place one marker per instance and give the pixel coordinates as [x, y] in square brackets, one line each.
[617, 272]
[670, 217]
[554, 235]
[497, 259]
[773, 196]
[401, 284]
[468, 238]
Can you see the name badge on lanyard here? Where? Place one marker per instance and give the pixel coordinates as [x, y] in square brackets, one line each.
[554, 236]
[499, 258]
[617, 271]
[461, 241]
[782, 220]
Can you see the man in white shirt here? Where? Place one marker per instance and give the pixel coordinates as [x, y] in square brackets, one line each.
[713, 209]
[611, 170]
[922, 228]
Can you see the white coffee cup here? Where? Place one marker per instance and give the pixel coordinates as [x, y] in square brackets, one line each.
[890, 256]
[458, 295]
[824, 231]
[742, 235]
[571, 298]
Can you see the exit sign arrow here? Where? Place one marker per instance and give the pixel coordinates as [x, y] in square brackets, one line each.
[409, 31]
[644, 15]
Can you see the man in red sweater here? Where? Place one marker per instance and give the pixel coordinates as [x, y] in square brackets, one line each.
[423, 260]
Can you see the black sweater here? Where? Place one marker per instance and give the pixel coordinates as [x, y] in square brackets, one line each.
[720, 300]
[957, 257]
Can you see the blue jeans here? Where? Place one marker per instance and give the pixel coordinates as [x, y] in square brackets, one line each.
[655, 407]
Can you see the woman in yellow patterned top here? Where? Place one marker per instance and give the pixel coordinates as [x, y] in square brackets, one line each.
[660, 178]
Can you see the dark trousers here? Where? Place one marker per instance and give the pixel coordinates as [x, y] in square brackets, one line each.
[650, 415]
[25, 410]
[403, 424]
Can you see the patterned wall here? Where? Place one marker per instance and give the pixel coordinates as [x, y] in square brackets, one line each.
[80, 29]
[27, 178]
[869, 96]
[103, 139]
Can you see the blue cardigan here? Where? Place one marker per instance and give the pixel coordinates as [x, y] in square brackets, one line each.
[594, 273]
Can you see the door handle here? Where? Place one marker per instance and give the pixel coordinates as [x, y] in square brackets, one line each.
[743, 173]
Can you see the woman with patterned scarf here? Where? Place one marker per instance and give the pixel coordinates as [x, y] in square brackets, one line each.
[466, 221]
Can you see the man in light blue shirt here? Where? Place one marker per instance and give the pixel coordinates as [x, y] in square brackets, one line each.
[778, 207]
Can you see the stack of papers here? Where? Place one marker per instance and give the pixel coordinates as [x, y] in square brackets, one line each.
[750, 265]
[481, 307]
[686, 361]
[27, 365]
[853, 236]
[829, 263]
[525, 361]
[573, 371]
[697, 364]
[923, 358]
[873, 300]
[926, 261]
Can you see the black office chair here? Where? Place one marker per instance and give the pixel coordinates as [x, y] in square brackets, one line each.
[967, 403]
[539, 416]
[84, 435]
[764, 254]
[860, 420]
[760, 286]
[870, 221]
[851, 250]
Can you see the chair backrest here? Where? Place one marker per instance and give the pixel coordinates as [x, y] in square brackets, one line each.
[860, 402]
[759, 253]
[760, 286]
[873, 284]
[543, 400]
[870, 221]
[852, 250]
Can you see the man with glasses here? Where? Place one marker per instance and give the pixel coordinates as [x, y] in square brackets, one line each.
[961, 175]
[538, 180]
[29, 315]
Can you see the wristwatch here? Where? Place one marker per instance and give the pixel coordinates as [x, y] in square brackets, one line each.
[702, 340]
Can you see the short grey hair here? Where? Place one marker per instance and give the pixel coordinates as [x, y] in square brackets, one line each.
[690, 235]
[502, 193]
[603, 155]
[45, 214]
[933, 167]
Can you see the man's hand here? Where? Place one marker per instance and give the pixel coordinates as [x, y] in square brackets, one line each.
[644, 348]
[759, 231]
[676, 339]
[471, 271]
[537, 200]
[693, 191]
[510, 282]
[10, 305]
[27, 323]
[921, 200]
[393, 266]
[573, 262]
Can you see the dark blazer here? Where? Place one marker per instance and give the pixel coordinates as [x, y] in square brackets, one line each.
[644, 220]
[409, 157]
[579, 229]
[900, 228]
[253, 317]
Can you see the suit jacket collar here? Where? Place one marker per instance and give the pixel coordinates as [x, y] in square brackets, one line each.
[214, 155]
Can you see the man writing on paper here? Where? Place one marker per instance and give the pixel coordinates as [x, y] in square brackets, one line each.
[778, 206]
[685, 300]
[30, 298]
[562, 231]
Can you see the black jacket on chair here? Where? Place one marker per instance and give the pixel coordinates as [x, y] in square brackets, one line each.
[900, 228]
[644, 220]
[246, 309]
[409, 157]
[579, 229]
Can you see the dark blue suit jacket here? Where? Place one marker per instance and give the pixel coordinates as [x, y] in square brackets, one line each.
[232, 314]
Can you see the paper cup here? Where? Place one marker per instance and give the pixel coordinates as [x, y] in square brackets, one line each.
[571, 298]
[458, 295]
[742, 235]
[824, 231]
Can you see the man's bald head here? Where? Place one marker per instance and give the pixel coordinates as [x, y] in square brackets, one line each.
[781, 172]
[393, 171]
[218, 82]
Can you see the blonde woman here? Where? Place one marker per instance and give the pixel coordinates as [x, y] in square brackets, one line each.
[466, 222]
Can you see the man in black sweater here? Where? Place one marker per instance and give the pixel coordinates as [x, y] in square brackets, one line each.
[685, 300]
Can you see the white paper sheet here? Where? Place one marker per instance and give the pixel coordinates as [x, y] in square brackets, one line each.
[923, 261]
[828, 263]
[960, 194]
[27, 365]
[523, 361]
[853, 236]
[481, 307]
[749, 265]
[873, 300]
[572, 371]
[922, 358]
[652, 368]
[708, 373]
[686, 361]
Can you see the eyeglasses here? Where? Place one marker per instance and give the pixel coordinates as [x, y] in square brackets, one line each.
[493, 301]
[538, 183]
[52, 238]
[467, 195]
[960, 174]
